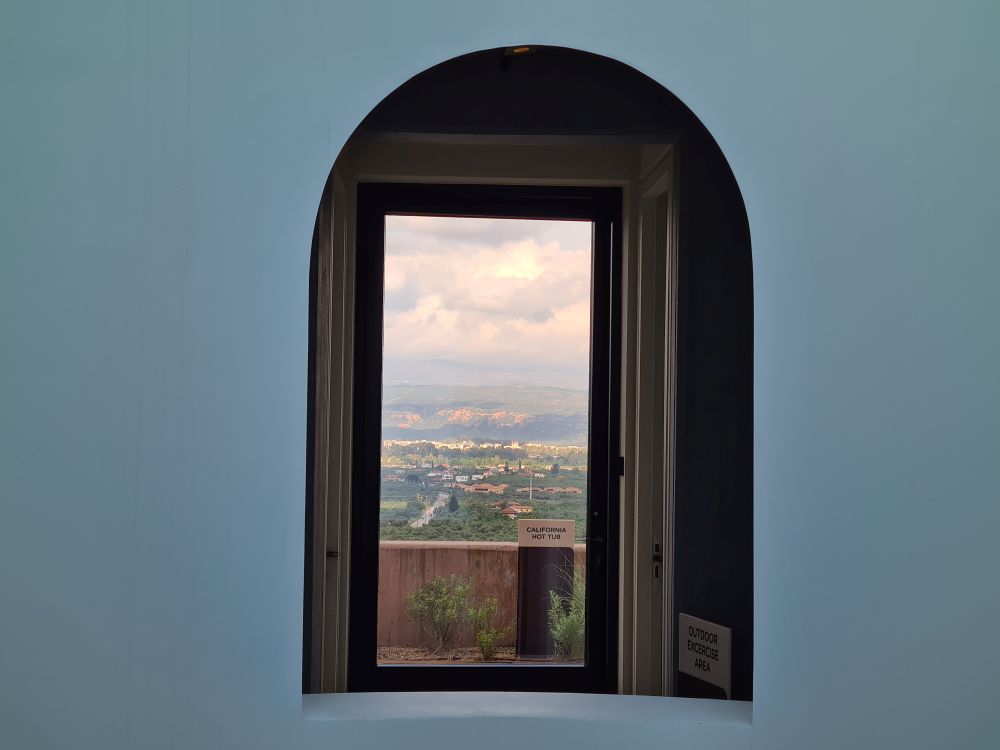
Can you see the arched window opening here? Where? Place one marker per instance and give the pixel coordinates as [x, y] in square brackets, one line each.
[530, 438]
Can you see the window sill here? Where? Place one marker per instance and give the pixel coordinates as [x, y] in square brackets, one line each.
[563, 706]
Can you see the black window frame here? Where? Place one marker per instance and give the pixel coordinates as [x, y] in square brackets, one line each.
[602, 206]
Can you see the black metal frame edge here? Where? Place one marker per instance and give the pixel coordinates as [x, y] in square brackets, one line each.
[602, 205]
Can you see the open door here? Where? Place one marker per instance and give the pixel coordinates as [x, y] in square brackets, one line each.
[712, 525]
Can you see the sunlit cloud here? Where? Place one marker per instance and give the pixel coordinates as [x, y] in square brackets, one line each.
[492, 294]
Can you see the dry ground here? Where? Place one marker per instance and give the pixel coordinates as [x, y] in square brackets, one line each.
[410, 654]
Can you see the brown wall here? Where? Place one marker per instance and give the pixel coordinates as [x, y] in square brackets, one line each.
[405, 567]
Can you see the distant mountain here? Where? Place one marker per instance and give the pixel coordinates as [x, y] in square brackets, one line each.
[500, 373]
[484, 413]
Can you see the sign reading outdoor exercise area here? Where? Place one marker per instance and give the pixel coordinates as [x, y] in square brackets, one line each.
[704, 650]
[537, 532]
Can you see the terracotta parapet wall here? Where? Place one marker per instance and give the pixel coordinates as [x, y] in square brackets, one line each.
[406, 566]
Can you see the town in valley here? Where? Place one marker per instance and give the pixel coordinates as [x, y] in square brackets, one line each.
[469, 491]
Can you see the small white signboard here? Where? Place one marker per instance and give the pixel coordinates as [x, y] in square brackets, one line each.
[705, 651]
[540, 532]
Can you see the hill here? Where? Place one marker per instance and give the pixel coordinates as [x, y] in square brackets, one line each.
[485, 413]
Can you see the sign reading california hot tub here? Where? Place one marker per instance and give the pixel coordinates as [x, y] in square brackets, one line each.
[537, 532]
[705, 651]
[544, 568]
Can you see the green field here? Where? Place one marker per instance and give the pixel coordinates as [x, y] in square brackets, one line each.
[392, 504]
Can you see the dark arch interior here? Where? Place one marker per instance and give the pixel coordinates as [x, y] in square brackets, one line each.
[552, 90]
[563, 92]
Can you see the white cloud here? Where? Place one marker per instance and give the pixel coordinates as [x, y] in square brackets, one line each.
[497, 293]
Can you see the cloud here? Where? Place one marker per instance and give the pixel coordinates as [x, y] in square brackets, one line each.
[451, 235]
[499, 293]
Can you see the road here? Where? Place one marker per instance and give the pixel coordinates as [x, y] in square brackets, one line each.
[428, 514]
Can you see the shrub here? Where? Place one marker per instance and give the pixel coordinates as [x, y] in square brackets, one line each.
[441, 607]
[488, 628]
[567, 616]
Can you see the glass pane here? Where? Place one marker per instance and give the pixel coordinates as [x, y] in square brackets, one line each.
[483, 503]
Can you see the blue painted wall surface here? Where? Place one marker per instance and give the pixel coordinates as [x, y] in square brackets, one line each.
[160, 172]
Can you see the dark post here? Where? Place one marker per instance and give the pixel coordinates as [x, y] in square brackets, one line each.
[544, 564]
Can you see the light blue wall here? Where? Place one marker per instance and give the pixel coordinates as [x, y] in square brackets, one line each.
[160, 172]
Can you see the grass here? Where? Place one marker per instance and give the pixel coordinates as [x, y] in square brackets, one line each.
[392, 504]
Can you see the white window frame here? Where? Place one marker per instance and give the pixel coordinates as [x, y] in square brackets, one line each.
[646, 174]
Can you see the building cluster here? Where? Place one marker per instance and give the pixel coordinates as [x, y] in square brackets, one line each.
[443, 476]
[484, 488]
[551, 490]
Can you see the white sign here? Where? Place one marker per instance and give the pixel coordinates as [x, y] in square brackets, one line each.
[540, 532]
[705, 651]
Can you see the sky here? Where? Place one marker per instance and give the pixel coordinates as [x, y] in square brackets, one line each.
[487, 301]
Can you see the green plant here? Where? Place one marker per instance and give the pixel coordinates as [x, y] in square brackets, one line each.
[488, 628]
[441, 607]
[567, 618]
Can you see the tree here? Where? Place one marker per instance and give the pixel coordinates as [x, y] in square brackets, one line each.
[480, 510]
[554, 469]
[452, 503]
